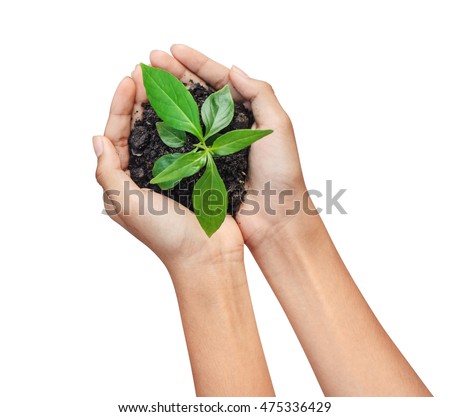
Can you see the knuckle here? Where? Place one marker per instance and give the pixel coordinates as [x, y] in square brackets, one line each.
[284, 117]
[221, 81]
[99, 175]
[284, 124]
[266, 87]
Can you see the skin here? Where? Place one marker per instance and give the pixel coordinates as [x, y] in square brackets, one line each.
[209, 277]
[348, 349]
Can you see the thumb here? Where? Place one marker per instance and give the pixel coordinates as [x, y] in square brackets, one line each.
[117, 185]
[265, 106]
[109, 173]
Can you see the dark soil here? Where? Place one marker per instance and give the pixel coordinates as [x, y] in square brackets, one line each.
[146, 147]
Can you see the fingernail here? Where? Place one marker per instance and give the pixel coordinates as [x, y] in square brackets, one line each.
[238, 70]
[97, 141]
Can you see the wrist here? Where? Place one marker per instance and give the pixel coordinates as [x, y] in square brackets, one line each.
[210, 274]
[289, 243]
[213, 290]
[286, 229]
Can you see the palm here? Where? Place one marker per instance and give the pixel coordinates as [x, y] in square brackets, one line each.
[181, 233]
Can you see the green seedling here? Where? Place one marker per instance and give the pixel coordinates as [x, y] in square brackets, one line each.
[177, 109]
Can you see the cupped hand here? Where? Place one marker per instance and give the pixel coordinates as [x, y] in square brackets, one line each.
[177, 239]
[275, 179]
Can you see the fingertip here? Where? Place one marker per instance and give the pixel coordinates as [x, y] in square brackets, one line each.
[107, 155]
[109, 173]
[123, 99]
[265, 106]
[97, 142]
[241, 83]
[155, 52]
[158, 58]
[127, 86]
[136, 72]
[140, 93]
[103, 147]
[108, 147]
[181, 51]
[237, 70]
[178, 46]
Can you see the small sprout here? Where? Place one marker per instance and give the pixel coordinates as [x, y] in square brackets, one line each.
[176, 107]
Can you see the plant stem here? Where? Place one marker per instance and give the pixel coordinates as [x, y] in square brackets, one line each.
[201, 145]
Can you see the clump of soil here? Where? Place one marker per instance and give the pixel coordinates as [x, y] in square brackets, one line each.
[146, 148]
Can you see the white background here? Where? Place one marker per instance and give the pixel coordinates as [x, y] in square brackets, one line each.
[88, 316]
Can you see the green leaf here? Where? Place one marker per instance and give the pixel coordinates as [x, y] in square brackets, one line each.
[170, 99]
[212, 139]
[186, 165]
[161, 164]
[217, 111]
[210, 199]
[171, 137]
[236, 140]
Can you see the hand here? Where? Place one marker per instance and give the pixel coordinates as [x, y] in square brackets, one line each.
[273, 161]
[349, 351]
[208, 273]
[177, 239]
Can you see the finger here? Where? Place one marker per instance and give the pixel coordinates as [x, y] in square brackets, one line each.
[119, 120]
[141, 95]
[163, 60]
[215, 74]
[126, 203]
[266, 108]
[115, 182]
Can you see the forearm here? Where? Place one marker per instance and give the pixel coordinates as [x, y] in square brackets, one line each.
[349, 351]
[224, 348]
